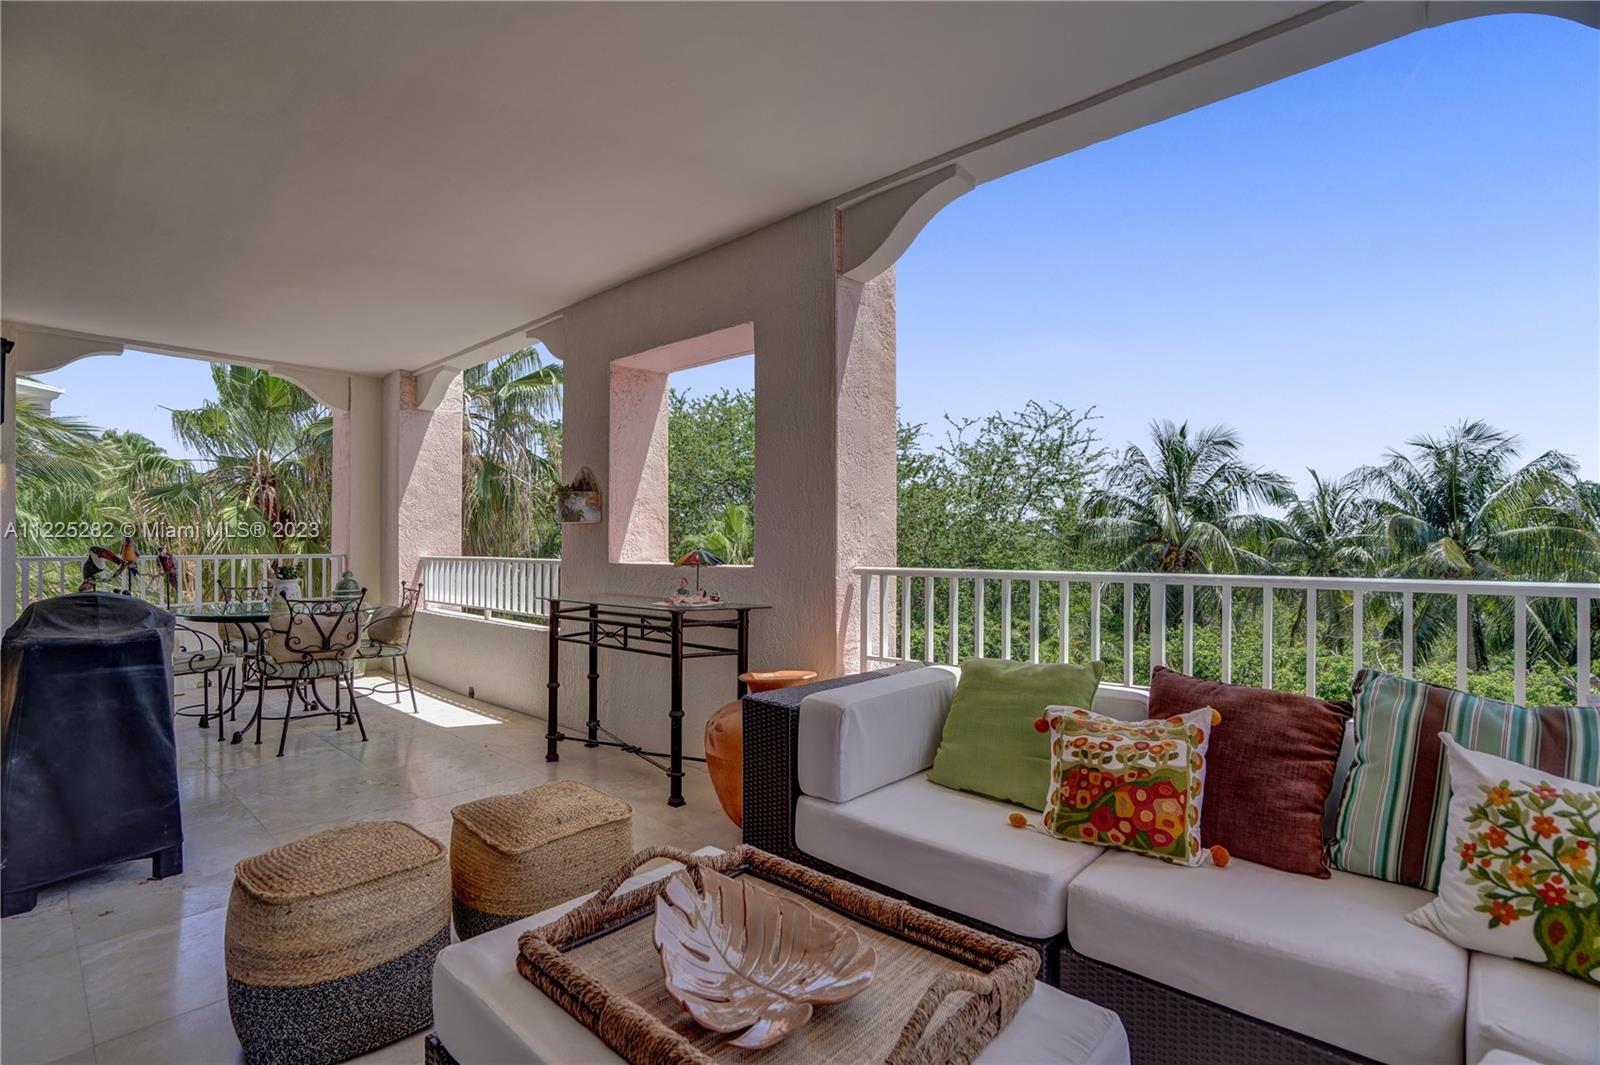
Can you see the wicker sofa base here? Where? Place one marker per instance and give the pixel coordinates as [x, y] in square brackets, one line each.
[1170, 1027]
[435, 1052]
[336, 1020]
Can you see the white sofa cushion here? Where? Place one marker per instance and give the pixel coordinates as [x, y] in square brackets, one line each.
[1520, 1009]
[1332, 959]
[948, 848]
[863, 736]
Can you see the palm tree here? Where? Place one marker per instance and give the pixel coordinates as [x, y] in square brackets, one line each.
[266, 443]
[1181, 509]
[1325, 533]
[1459, 508]
[732, 536]
[59, 463]
[511, 440]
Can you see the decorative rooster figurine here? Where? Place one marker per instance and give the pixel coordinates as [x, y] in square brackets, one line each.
[169, 569]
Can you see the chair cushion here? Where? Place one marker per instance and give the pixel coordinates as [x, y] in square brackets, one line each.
[950, 849]
[314, 668]
[989, 745]
[1515, 1008]
[185, 664]
[862, 736]
[1332, 959]
[1270, 767]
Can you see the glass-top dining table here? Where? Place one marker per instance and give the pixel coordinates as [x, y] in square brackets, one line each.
[253, 615]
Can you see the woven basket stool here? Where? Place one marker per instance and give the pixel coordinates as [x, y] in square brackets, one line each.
[331, 940]
[514, 855]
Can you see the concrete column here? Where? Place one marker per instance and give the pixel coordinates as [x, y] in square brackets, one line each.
[358, 483]
[396, 481]
[421, 484]
[866, 485]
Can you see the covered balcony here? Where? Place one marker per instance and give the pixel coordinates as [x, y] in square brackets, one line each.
[371, 200]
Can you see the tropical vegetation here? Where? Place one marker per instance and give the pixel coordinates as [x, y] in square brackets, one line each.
[1031, 489]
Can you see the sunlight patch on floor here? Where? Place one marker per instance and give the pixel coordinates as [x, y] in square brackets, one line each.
[431, 710]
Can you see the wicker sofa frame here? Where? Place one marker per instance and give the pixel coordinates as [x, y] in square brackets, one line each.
[1164, 1025]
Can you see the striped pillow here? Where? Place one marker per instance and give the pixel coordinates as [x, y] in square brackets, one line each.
[1391, 820]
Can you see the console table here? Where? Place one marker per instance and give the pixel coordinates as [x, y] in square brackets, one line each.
[644, 626]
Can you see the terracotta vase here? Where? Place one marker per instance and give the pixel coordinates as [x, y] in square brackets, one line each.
[725, 738]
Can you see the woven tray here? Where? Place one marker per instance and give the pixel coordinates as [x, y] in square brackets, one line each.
[941, 993]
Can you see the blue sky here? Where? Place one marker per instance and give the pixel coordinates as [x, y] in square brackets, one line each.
[1331, 264]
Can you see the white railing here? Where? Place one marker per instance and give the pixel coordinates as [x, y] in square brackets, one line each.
[522, 587]
[200, 578]
[940, 615]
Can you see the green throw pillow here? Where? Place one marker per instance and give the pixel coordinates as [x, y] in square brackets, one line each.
[990, 745]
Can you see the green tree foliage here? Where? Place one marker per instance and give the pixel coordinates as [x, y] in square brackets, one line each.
[511, 445]
[711, 467]
[265, 456]
[1180, 509]
[1001, 492]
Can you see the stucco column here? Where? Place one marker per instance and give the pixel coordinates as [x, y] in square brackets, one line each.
[358, 482]
[396, 481]
[866, 488]
[421, 483]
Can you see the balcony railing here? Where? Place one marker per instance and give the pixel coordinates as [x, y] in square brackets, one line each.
[943, 615]
[518, 587]
[200, 578]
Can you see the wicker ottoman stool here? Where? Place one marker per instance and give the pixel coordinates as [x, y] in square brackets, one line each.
[330, 942]
[513, 855]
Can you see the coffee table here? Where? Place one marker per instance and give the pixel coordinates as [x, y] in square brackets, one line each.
[484, 1013]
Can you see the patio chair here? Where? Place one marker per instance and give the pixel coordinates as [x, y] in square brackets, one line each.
[389, 636]
[308, 641]
[200, 654]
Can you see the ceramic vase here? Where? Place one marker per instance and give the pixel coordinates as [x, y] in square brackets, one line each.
[725, 738]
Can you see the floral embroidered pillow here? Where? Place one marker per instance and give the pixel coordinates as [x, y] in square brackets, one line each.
[1519, 878]
[1135, 785]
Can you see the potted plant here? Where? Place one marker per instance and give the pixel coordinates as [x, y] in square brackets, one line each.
[578, 502]
[286, 580]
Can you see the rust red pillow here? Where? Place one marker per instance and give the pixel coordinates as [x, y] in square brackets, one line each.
[1270, 767]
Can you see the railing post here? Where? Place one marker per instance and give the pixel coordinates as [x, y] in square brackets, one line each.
[1266, 636]
[1005, 618]
[1158, 625]
[1227, 634]
[955, 621]
[1094, 620]
[1127, 633]
[1311, 641]
[1188, 629]
[1463, 639]
[1584, 619]
[1519, 652]
[1033, 620]
[1066, 619]
[1408, 629]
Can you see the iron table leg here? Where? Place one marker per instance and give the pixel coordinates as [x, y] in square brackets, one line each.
[594, 677]
[552, 735]
[675, 774]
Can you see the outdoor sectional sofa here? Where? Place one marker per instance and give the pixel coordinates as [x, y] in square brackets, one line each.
[1236, 965]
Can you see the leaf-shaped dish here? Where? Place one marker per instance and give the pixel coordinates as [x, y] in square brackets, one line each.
[738, 957]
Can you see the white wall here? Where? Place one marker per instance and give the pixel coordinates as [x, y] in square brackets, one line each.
[808, 532]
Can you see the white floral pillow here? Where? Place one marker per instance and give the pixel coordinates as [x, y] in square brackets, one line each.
[1519, 877]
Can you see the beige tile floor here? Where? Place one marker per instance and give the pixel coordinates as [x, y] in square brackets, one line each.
[115, 968]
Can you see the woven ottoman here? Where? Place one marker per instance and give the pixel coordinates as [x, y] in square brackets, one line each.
[514, 855]
[330, 942]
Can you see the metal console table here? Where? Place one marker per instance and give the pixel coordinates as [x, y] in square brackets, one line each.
[641, 625]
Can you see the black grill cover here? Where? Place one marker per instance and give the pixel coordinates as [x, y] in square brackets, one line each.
[90, 762]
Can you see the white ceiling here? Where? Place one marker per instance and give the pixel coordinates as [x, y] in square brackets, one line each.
[376, 186]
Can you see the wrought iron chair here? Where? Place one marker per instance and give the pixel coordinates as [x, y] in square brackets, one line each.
[389, 636]
[307, 641]
[200, 654]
